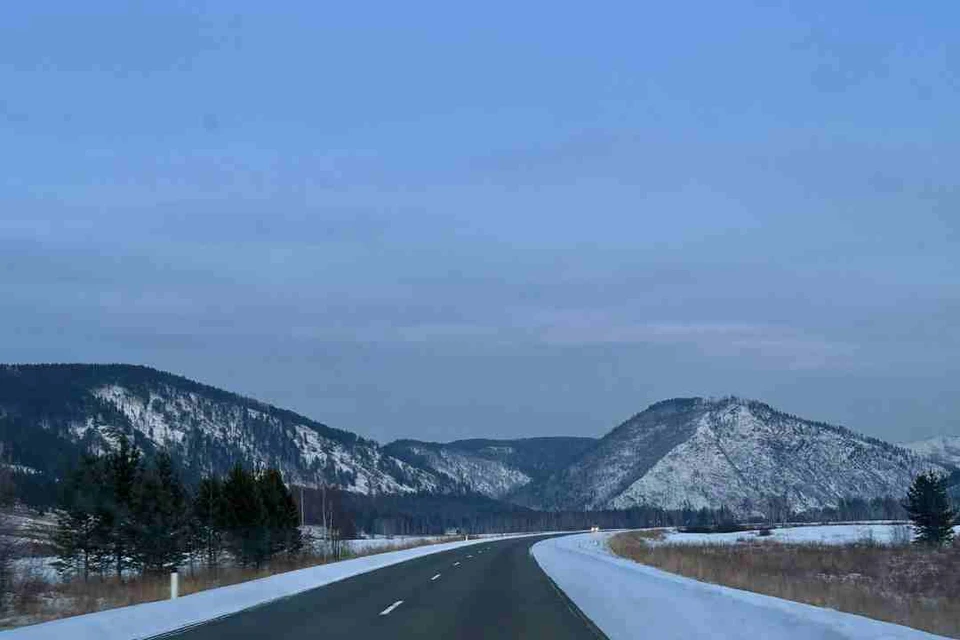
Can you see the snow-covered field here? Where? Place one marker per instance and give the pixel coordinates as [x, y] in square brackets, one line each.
[627, 600]
[313, 535]
[364, 545]
[879, 533]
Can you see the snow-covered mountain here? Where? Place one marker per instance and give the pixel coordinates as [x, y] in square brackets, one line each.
[944, 450]
[689, 452]
[494, 468]
[695, 452]
[50, 414]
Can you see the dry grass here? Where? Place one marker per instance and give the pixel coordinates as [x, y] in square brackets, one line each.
[912, 586]
[624, 543]
[36, 600]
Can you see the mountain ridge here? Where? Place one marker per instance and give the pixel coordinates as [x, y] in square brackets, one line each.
[69, 409]
[739, 453]
[492, 467]
[677, 453]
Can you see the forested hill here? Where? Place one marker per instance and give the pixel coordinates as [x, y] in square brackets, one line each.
[677, 454]
[51, 414]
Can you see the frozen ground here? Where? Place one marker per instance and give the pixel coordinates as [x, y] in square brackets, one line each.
[626, 600]
[880, 533]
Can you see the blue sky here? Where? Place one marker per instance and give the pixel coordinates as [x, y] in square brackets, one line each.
[440, 222]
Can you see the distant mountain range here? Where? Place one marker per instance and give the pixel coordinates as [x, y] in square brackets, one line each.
[494, 468]
[686, 452]
[944, 450]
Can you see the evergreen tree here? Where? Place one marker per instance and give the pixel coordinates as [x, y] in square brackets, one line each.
[243, 517]
[208, 519]
[281, 516]
[929, 508]
[122, 467]
[81, 537]
[160, 517]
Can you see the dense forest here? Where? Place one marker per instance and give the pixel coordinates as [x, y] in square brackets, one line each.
[118, 515]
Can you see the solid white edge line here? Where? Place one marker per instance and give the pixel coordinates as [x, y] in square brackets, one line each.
[391, 607]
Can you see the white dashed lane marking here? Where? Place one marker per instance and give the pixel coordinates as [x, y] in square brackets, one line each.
[391, 607]
[434, 577]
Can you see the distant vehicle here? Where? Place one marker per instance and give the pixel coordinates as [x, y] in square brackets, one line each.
[594, 529]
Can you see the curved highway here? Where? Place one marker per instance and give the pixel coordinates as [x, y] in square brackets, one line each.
[491, 590]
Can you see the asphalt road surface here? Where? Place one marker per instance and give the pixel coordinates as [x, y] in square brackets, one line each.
[489, 590]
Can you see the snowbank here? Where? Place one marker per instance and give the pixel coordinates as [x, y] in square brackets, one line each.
[153, 618]
[626, 600]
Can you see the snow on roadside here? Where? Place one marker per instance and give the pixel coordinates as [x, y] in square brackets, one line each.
[153, 618]
[624, 599]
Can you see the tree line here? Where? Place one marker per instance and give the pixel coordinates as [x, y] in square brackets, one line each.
[433, 514]
[120, 515]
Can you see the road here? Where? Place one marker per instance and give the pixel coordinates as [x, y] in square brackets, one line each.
[491, 590]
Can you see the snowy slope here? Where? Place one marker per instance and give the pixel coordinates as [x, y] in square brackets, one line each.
[54, 412]
[739, 453]
[491, 478]
[627, 600]
[494, 468]
[944, 450]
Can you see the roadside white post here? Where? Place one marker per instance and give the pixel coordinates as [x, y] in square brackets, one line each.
[174, 584]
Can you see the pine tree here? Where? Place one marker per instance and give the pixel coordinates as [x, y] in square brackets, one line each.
[208, 519]
[281, 517]
[122, 467]
[82, 533]
[160, 517]
[929, 508]
[243, 517]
